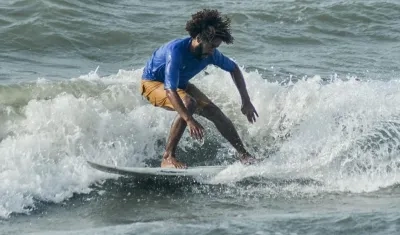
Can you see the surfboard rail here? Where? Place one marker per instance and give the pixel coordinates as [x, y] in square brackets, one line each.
[157, 172]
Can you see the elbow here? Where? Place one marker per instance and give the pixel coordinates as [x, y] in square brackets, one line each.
[236, 69]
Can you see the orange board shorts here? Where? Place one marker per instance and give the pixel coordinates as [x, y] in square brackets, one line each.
[155, 93]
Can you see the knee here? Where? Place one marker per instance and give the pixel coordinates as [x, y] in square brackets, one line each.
[190, 103]
[212, 110]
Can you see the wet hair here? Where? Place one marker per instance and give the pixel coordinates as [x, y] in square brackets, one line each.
[208, 24]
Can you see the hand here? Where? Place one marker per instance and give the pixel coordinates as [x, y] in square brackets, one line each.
[196, 130]
[250, 112]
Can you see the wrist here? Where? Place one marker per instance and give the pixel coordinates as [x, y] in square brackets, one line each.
[245, 100]
[188, 118]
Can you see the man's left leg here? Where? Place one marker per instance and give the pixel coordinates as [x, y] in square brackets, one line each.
[223, 124]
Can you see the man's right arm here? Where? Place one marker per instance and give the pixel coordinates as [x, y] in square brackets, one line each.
[173, 61]
[177, 102]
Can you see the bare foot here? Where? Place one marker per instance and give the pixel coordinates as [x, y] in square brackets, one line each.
[172, 162]
[247, 159]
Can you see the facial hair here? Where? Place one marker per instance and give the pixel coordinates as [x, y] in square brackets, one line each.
[198, 52]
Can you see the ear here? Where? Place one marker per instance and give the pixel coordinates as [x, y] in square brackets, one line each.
[198, 39]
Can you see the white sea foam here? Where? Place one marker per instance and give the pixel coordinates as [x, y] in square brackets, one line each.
[343, 134]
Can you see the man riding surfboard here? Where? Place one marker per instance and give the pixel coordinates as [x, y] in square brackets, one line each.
[165, 83]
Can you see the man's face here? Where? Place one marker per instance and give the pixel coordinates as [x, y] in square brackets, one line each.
[205, 49]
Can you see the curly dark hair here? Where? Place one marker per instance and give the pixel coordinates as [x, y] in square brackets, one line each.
[208, 24]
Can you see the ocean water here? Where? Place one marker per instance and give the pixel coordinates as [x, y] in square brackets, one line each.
[323, 76]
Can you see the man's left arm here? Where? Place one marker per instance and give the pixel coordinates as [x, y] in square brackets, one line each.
[228, 65]
[247, 107]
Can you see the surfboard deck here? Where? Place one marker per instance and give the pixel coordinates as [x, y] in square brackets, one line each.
[158, 172]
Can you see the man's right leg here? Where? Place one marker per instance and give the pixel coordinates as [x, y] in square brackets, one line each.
[176, 132]
[154, 92]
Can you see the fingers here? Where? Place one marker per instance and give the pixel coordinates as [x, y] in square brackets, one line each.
[251, 116]
[197, 132]
[254, 115]
[250, 112]
[255, 111]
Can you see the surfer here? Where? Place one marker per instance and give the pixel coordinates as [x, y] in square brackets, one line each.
[165, 83]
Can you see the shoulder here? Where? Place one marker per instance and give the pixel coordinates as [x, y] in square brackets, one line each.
[217, 56]
[222, 61]
[175, 49]
[179, 44]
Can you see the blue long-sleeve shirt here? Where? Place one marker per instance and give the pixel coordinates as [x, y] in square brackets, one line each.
[174, 64]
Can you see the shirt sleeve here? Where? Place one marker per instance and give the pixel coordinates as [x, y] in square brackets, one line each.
[173, 61]
[222, 61]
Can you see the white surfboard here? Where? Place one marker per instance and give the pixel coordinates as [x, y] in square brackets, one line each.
[201, 172]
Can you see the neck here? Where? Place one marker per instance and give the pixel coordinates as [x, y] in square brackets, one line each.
[193, 45]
